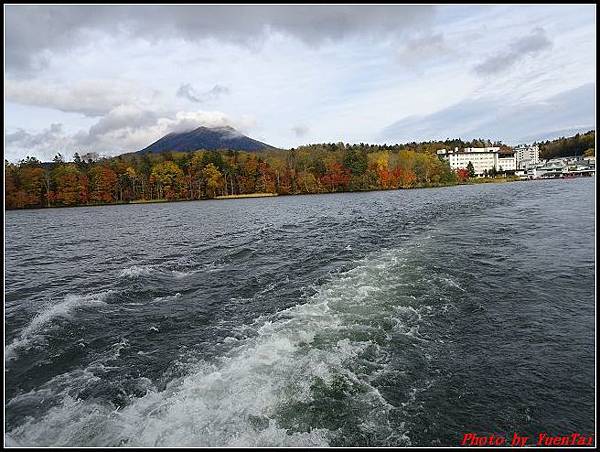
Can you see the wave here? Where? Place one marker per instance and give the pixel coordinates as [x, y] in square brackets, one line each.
[36, 327]
[166, 298]
[239, 253]
[450, 282]
[267, 390]
[137, 271]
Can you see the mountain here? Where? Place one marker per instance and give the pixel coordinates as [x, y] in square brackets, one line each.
[209, 138]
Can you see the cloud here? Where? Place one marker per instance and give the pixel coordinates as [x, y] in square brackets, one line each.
[88, 97]
[217, 91]
[60, 27]
[28, 139]
[126, 128]
[520, 48]
[188, 92]
[126, 118]
[45, 144]
[114, 71]
[418, 50]
[300, 131]
[497, 120]
[188, 120]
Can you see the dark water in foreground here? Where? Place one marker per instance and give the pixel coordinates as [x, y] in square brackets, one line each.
[383, 318]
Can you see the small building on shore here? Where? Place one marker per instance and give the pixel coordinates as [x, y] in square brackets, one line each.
[558, 168]
[590, 161]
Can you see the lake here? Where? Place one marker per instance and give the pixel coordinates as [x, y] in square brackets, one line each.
[389, 318]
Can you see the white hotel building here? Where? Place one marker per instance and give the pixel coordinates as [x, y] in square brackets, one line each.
[483, 159]
[527, 155]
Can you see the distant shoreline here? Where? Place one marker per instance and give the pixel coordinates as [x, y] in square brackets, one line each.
[271, 195]
[479, 181]
[248, 195]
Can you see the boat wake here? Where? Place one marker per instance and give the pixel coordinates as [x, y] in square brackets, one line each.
[286, 385]
[33, 333]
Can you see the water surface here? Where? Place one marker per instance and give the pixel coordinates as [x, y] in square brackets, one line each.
[378, 319]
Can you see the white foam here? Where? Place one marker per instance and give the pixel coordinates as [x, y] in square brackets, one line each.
[216, 403]
[10, 442]
[450, 282]
[35, 329]
[167, 298]
[136, 271]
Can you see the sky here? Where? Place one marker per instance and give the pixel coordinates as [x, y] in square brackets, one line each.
[114, 79]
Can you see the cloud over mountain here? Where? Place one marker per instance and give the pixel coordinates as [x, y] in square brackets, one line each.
[187, 91]
[123, 129]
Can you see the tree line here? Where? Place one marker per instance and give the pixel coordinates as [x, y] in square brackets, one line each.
[579, 144]
[316, 168]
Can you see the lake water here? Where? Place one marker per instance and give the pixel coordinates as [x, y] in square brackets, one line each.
[389, 318]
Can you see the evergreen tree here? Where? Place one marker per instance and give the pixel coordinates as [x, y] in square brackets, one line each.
[471, 169]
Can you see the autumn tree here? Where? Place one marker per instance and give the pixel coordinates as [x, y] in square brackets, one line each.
[70, 185]
[132, 181]
[12, 197]
[462, 174]
[337, 177]
[212, 178]
[315, 168]
[103, 184]
[33, 186]
[168, 178]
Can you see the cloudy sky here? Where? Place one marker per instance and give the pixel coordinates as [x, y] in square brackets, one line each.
[113, 79]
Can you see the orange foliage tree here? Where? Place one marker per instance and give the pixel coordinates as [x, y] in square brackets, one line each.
[103, 184]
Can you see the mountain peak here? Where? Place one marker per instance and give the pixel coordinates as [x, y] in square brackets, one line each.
[204, 137]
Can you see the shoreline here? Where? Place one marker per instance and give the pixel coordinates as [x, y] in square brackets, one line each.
[268, 195]
[248, 195]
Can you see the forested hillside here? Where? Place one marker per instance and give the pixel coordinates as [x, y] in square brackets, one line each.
[580, 144]
[316, 168]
